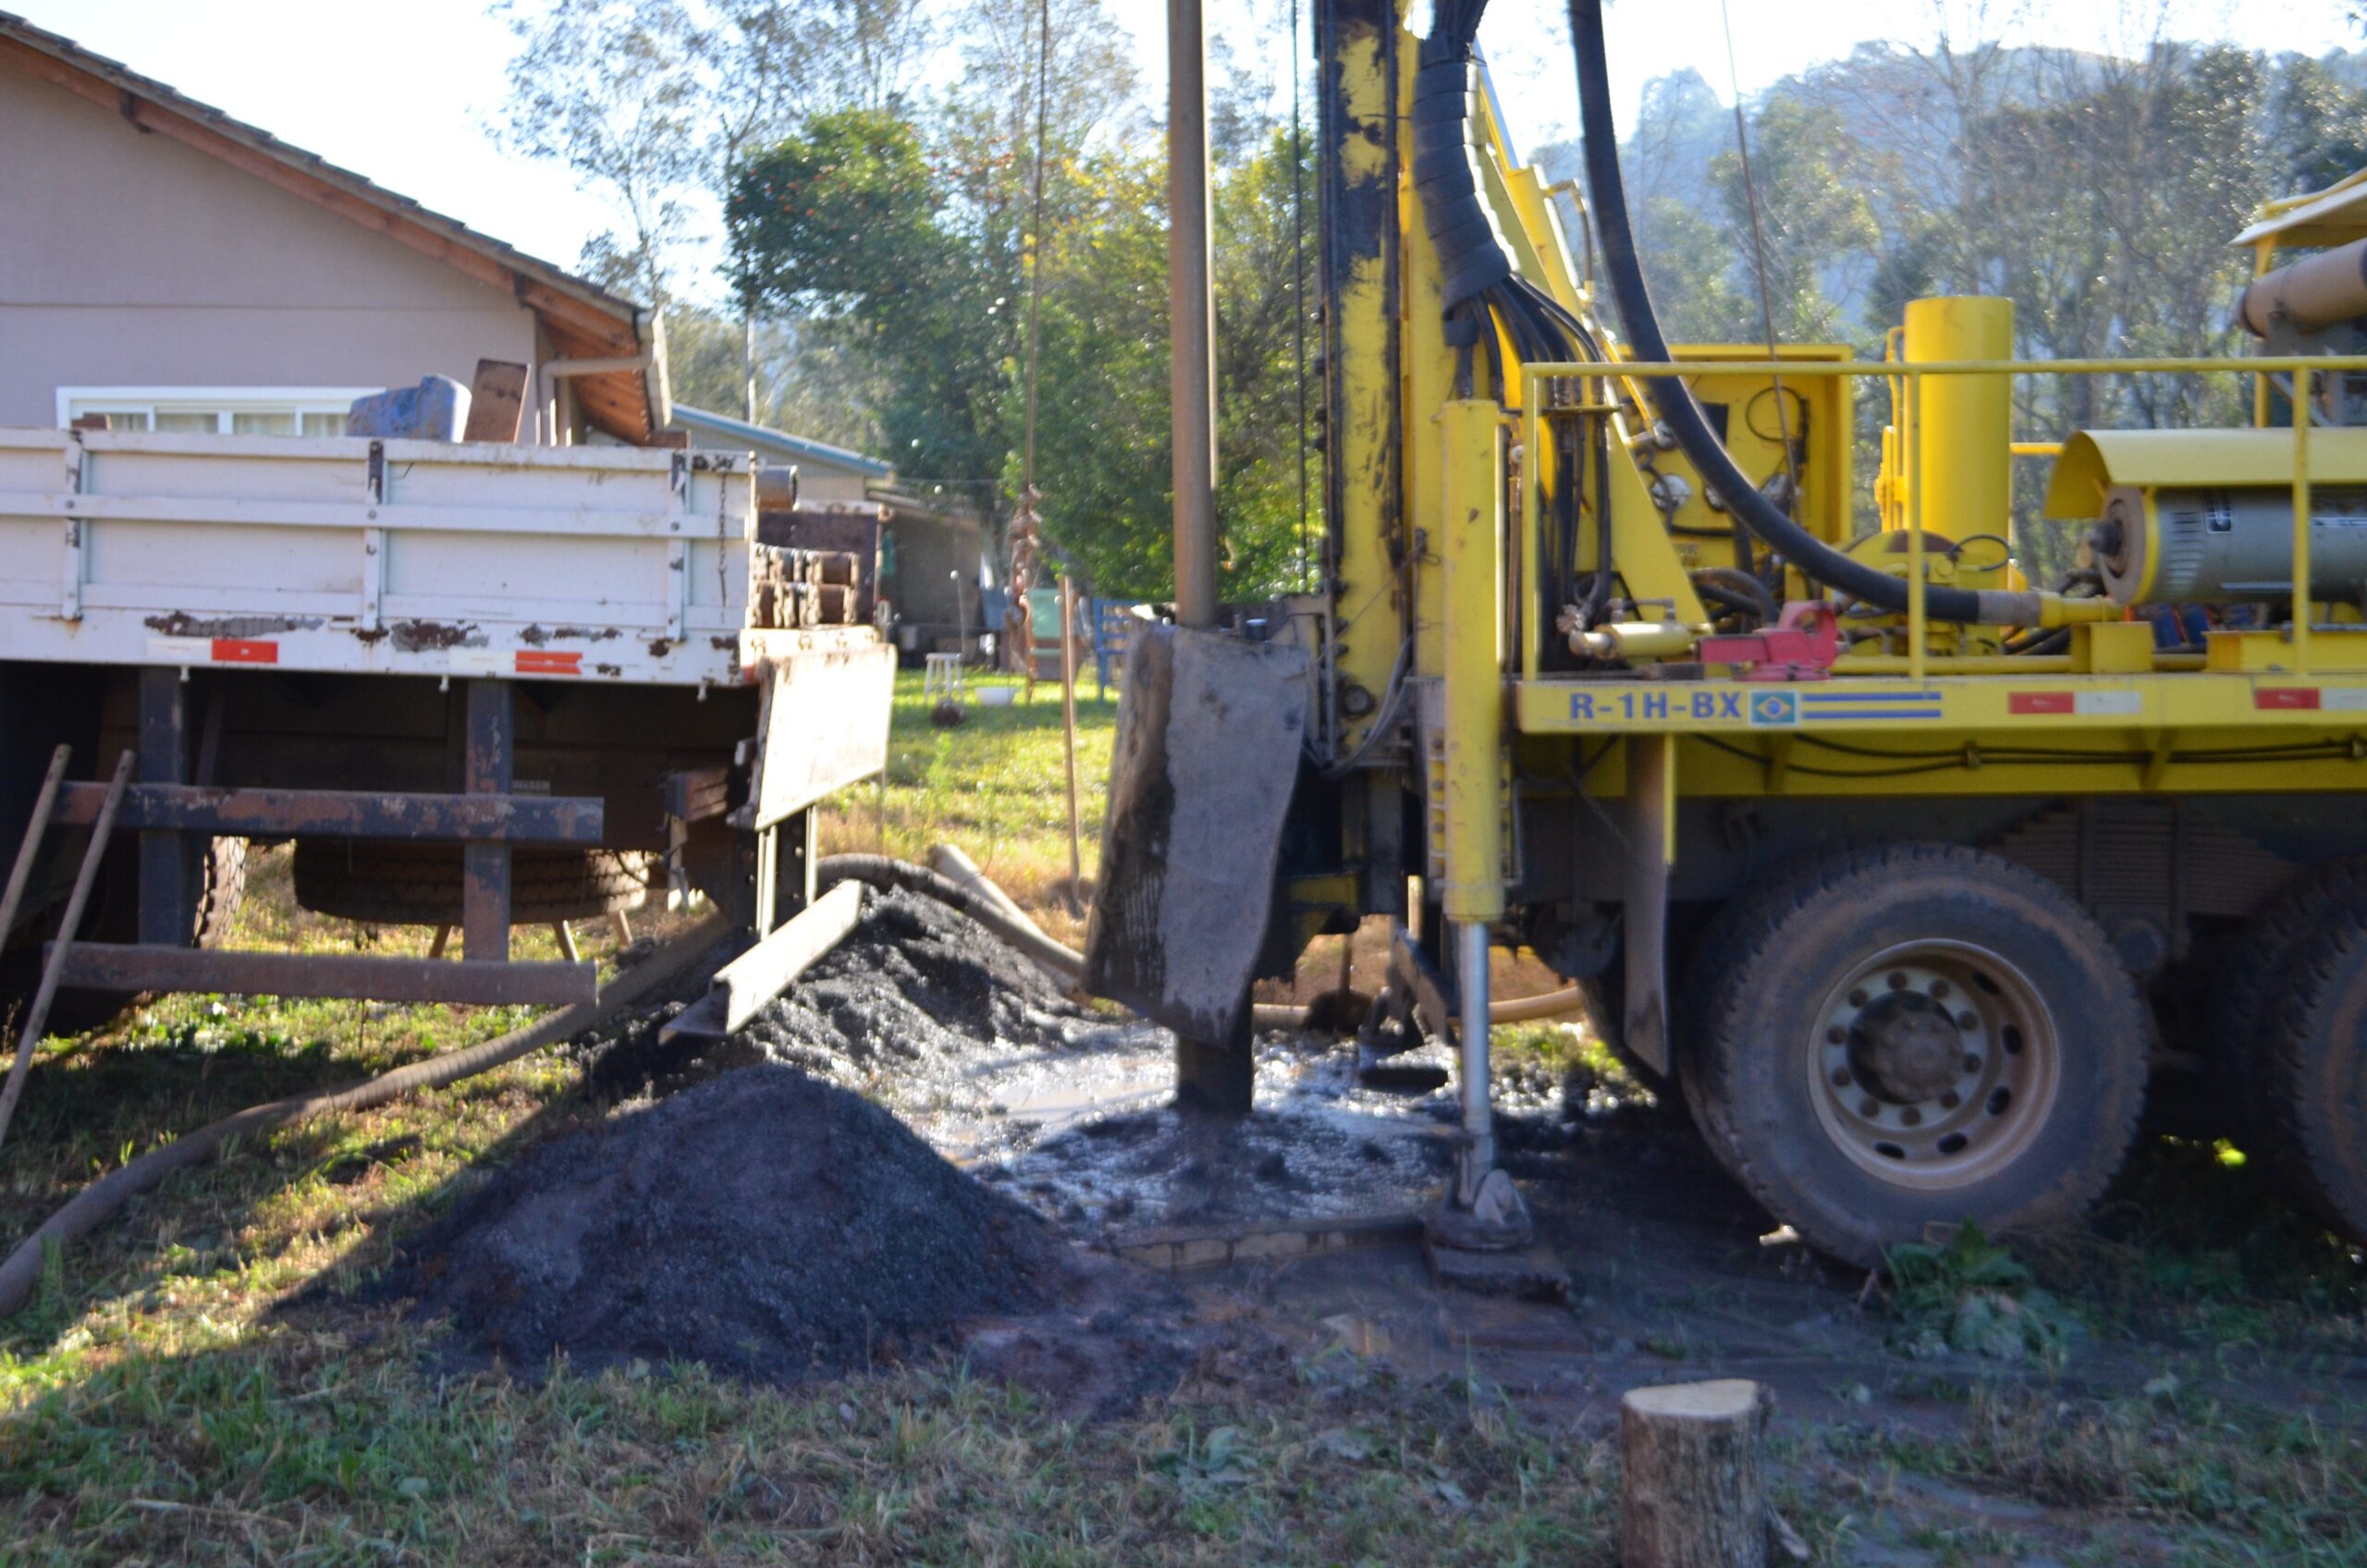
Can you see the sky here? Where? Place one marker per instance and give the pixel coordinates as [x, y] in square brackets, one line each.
[402, 91]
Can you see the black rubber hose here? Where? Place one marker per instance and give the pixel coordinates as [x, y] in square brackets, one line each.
[1731, 585]
[1672, 398]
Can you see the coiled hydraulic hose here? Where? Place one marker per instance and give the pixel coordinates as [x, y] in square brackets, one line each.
[1674, 400]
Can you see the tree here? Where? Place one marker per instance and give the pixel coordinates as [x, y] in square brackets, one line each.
[848, 222]
[1813, 221]
[611, 89]
[2317, 125]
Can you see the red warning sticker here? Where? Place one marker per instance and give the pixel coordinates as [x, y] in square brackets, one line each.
[244, 650]
[2286, 698]
[548, 661]
[2038, 702]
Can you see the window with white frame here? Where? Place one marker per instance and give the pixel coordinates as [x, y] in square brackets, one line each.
[226, 411]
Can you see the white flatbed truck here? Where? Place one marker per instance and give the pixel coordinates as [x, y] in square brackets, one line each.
[476, 684]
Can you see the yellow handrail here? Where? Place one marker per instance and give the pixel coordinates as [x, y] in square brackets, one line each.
[2299, 366]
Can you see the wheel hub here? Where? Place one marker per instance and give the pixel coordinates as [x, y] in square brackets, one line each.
[1907, 1048]
[1932, 1064]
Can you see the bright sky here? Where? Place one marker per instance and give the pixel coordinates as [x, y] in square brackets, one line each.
[400, 90]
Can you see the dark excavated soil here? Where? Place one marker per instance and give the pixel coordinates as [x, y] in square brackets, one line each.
[914, 988]
[765, 1223]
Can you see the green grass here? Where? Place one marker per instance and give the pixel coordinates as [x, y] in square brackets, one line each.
[2226, 1484]
[997, 785]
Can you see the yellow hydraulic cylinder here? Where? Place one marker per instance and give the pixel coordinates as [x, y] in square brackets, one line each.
[1473, 512]
[1963, 426]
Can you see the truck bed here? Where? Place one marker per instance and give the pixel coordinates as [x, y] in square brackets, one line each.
[365, 556]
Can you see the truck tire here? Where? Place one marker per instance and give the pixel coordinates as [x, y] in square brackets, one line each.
[1890, 1039]
[396, 883]
[222, 890]
[2251, 988]
[2316, 1077]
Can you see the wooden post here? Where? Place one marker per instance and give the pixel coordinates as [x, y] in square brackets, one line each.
[1075, 899]
[491, 759]
[1692, 1493]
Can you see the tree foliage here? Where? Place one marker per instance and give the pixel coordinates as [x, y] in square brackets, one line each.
[908, 233]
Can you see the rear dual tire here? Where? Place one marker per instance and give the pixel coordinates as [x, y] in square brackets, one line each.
[2313, 1074]
[1887, 1040]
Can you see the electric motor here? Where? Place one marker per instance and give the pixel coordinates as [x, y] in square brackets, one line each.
[2205, 546]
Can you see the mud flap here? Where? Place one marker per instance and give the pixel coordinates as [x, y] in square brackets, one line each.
[1210, 730]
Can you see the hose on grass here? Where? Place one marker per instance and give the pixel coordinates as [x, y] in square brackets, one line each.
[99, 1202]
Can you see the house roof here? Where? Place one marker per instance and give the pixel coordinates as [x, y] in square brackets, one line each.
[583, 321]
[764, 438]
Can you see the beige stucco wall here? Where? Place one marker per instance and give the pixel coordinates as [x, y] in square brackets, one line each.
[128, 260]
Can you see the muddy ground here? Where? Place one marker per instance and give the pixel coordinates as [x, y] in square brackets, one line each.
[1056, 1110]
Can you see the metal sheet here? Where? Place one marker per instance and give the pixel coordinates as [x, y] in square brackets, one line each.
[468, 558]
[1209, 734]
[824, 727]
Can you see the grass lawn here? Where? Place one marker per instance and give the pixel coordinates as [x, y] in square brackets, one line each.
[191, 1387]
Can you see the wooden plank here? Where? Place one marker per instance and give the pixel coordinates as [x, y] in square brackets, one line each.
[1265, 1241]
[143, 967]
[346, 814]
[496, 401]
[747, 983]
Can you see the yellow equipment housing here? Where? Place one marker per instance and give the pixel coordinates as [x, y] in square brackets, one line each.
[1553, 697]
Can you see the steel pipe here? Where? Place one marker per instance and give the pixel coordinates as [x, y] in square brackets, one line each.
[1190, 318]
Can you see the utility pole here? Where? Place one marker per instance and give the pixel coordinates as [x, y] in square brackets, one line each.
[1191, 313]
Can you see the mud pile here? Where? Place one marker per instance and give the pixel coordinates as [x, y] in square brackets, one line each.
[914, 988]
[765, 1223]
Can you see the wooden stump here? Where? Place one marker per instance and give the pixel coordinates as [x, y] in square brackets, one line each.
[1692, 1494]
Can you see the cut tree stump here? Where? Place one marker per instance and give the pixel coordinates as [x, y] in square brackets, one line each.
[1692, 1492]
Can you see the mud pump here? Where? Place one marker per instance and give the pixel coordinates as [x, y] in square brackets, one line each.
[1910, 877]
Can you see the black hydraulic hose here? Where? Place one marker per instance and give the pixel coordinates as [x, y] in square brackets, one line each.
[1674, 400]
[1600, 599]
[1732, 585]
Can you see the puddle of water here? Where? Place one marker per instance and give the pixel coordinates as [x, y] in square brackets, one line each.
[1083, 1132]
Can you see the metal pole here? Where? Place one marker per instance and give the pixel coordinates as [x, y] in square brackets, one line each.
[1190, 311]
[1479, 1120]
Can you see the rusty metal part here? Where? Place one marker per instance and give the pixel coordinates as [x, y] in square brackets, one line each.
[1934, 1064]
[345, 814]
[146, 967]
[694, 794]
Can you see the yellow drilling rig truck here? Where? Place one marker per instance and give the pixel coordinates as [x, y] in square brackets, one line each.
[1908, 876]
